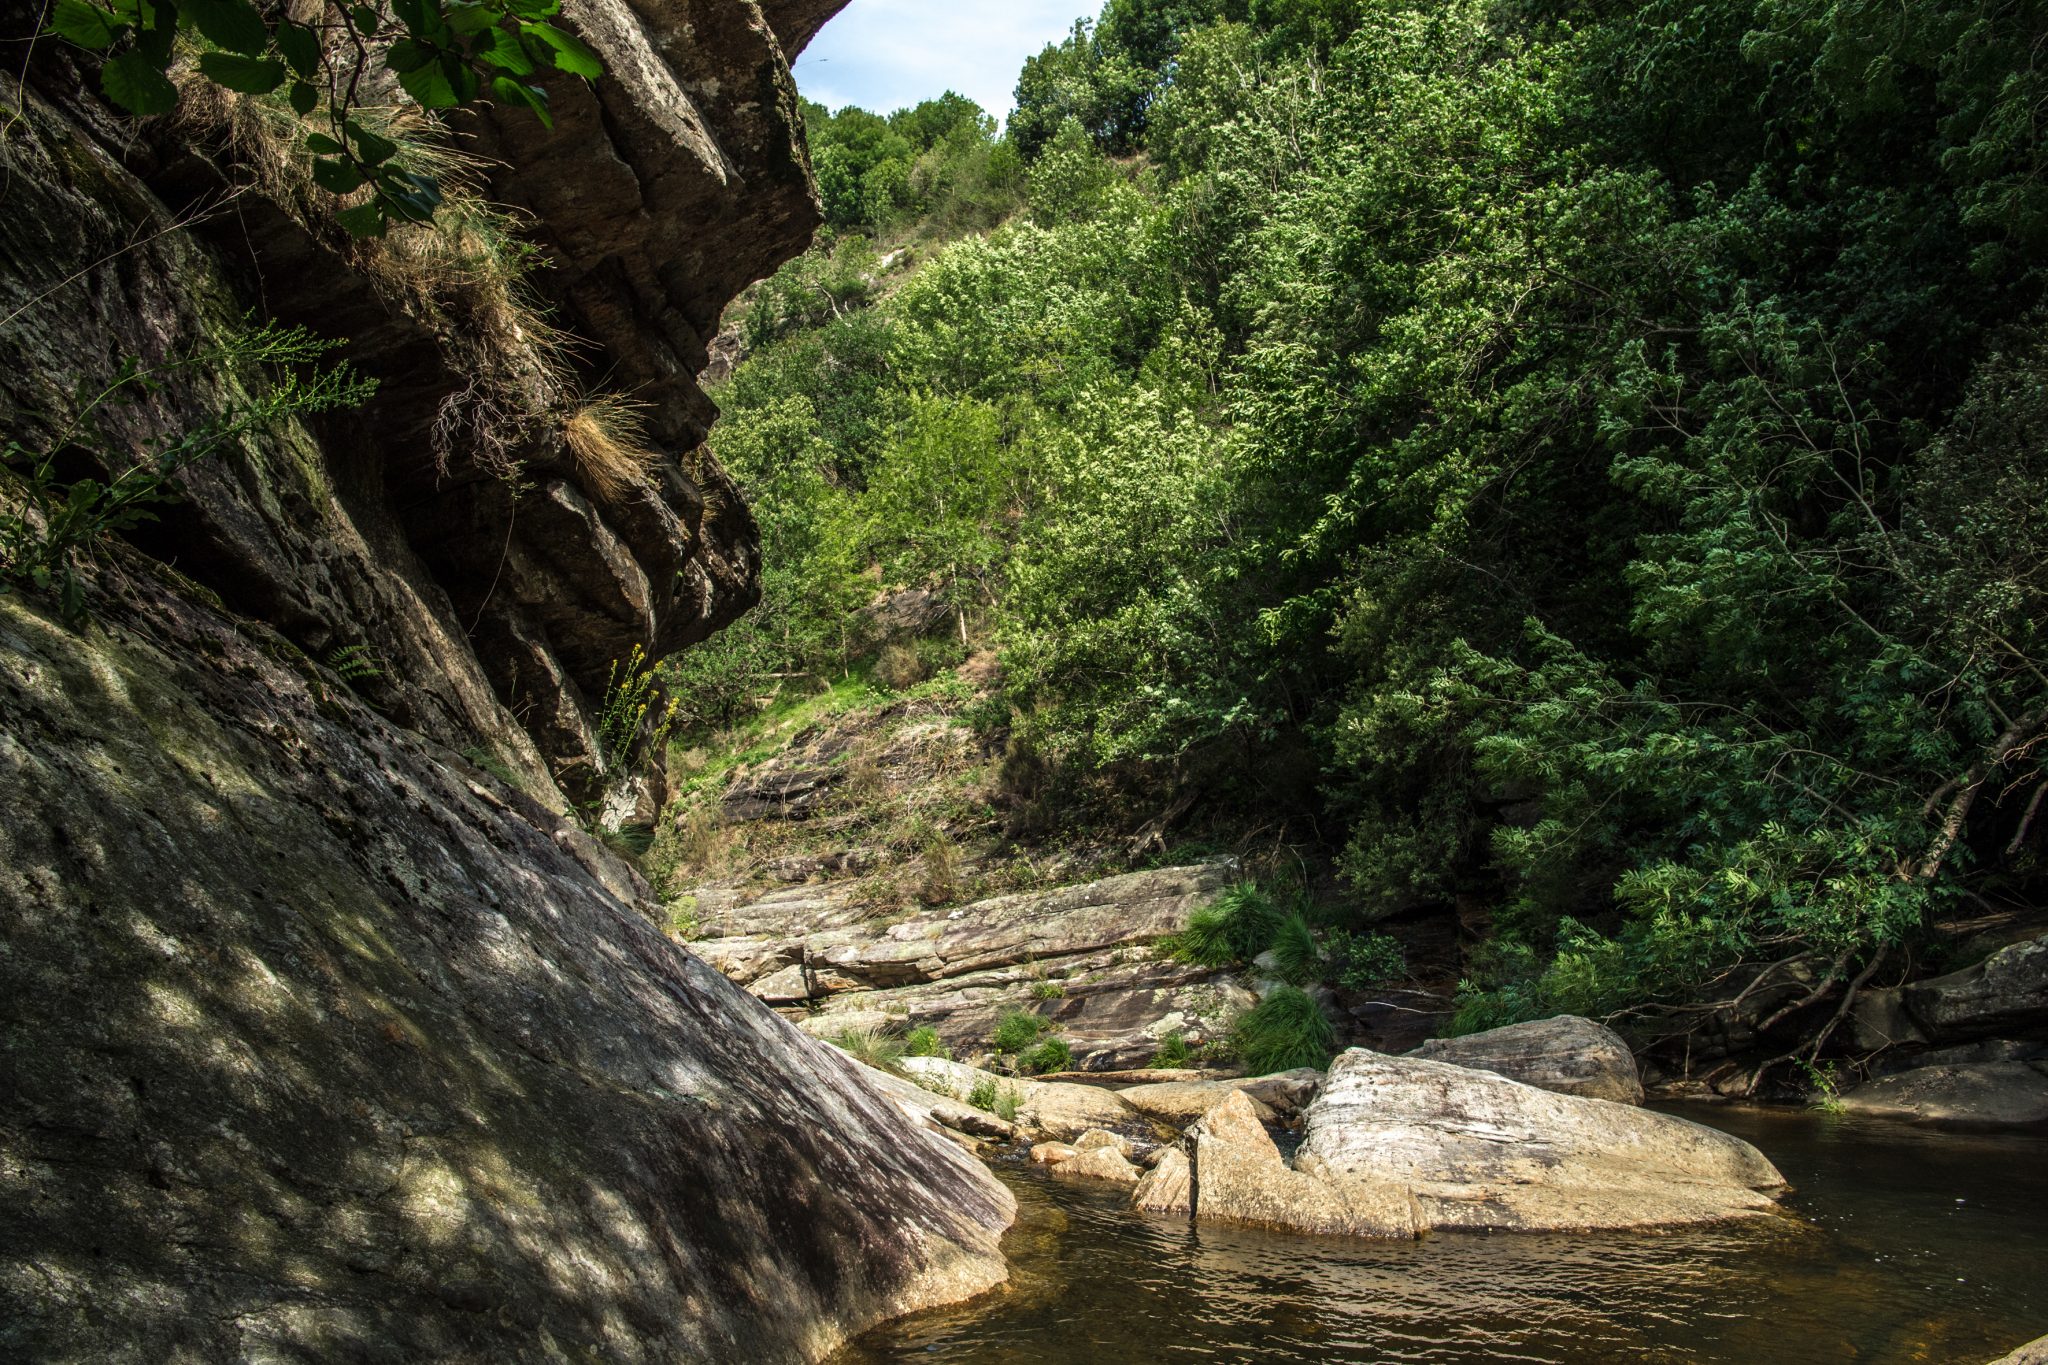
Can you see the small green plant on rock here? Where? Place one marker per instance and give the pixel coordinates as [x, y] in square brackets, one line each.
[1018, 1030]
[1173, 1053]
[1827, 1086]
[1285, 1030]
[1296, 958]
[50, 524]
[1051, 1055]
[879, 1048]
[924, 1041]
[1235, 927]
[1047, 990]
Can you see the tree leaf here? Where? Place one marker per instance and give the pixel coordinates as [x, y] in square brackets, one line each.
[429, 86]
[245, 75]
[232, 24]
[87, 25]
[364, 220]
[370, 147]
[336, 176]
[304, 98]
[571, 54]
[501, 48]
[323, 145]
[300, 46]
[366, 18]
[533, 97]
[137, 84]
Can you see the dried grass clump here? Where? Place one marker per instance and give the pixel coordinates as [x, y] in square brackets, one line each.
[463, 275]
[607, 435]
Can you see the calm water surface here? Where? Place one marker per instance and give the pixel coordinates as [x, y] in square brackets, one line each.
[1908, 1245]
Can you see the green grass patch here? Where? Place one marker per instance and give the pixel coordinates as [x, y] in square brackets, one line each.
[1051, 1055]
[1018, 1030]
[924, 1042]
[1235, 927]
[1173, 1054]
[1285, 1030]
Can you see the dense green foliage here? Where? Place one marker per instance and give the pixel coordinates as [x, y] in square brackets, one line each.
[1610, 439]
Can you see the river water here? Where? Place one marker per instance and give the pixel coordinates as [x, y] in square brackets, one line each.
[1906, 1245]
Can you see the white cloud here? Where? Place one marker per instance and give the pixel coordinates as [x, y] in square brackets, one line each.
[890, 54]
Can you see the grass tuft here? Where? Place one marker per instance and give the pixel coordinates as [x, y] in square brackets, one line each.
[923, 1041]
[607, 437]
[1173, 1054]
[1285, 1030]
[1051, 1055]
[1296, 958]
[879, 1048]
[1235, 927]
[1018, 1030]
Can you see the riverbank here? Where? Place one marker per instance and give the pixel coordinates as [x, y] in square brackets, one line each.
[1910, 1245]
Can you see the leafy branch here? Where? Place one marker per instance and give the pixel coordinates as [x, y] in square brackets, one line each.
[444, 54]
[55, 523]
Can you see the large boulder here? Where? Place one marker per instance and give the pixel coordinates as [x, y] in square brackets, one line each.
[1168, 1188]
[2012, 1094]
[1473, 1149]
[1240, 1177]
[320, 1044]
[2004, 996]
[1181, 1103]
[1567, 1054]
[2033, 1353]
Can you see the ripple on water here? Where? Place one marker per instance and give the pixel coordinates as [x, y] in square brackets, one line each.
[1909, 1246]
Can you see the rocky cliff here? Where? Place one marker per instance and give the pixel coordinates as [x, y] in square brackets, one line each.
[326, 1036]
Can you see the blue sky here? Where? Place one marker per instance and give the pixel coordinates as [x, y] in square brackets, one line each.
[888, 54]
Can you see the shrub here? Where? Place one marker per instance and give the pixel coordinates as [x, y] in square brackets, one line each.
[1173, 1052]
[1285, 1030]
[1296, 959]
[1362, 961]
[1051, 1055]
[923, 1041]
[877, 1047]
[1018, 1030]
[989, 1097]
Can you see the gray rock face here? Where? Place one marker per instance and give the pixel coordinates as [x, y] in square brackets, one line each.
[1567, 1054]
[2010, 1094]
[1475, 1150]
[660, 192]
[319, 1044]
[1082, 956]
[2004, 996]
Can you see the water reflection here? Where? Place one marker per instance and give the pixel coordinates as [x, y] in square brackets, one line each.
[1909, 1246]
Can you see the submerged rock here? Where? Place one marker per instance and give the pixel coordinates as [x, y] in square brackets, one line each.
[1473, 1149]
[1567, 1054]
[2010, 1094]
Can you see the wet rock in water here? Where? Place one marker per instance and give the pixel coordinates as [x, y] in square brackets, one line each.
[2011, 1094]
[1181, 1103]
[1473, 1149]
[1098, 1163]
[1168, 1188]
[2033, 1353]
[1101, 1137]
[1567, 1054]
[1051, 1153]
[2003, 996]
[1240, 1177]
